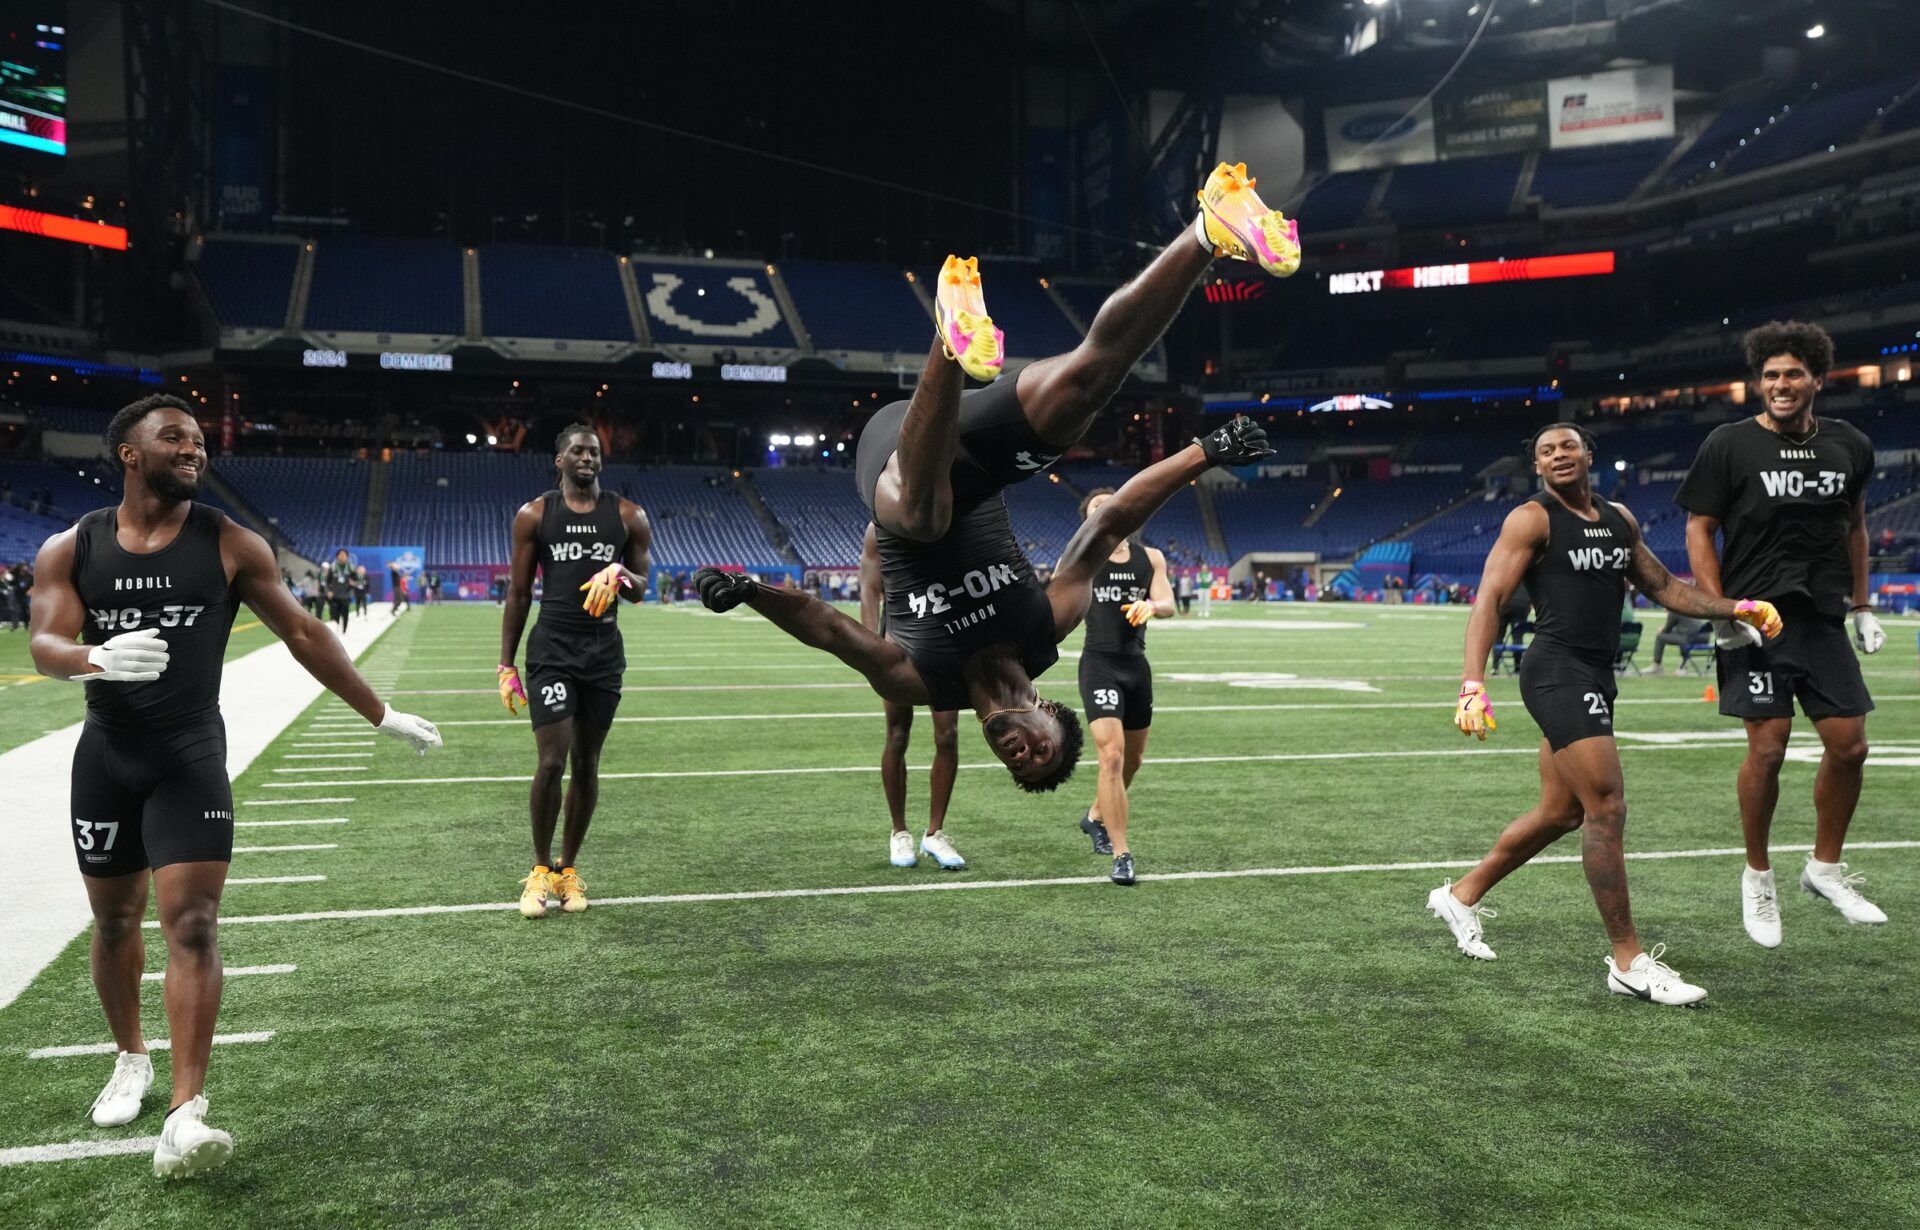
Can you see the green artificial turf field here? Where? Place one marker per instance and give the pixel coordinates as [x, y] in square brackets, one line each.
[1297, 1049]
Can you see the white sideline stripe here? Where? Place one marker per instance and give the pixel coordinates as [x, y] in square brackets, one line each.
[332, 845]
[332, 741]
[803, 770]
[276, 824]
[328, 756]
[660, 687]
[156, 1044]
[76, 1150]
[277, 880]
[329, 768]
[232, 971]
[934, 886]
[289, 802]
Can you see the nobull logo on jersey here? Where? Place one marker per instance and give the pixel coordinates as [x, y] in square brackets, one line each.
[1590, 533]
[583, 529]
[1793, 484]
[1594, 559]
[126, 583]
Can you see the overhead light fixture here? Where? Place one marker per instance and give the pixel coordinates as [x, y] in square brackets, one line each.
[1816, 30]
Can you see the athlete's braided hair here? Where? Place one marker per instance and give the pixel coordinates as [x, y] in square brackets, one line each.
[1806, 342]
[128, 417]
[570, 431]
[1533, 441]
[1072, 739]
[1090, 497]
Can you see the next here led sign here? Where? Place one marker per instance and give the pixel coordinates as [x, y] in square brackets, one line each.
[1472, 273]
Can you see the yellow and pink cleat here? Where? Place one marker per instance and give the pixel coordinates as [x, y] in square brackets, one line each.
[960, 312]
[1238, 223]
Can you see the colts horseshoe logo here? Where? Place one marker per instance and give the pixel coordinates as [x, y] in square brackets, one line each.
[766, 313]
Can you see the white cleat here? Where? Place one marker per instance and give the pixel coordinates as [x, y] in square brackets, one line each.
[1463, 920]
[119, 1102]
[1832, 884]
[187, 1145]
[936, 847]
[1760, 907]
[1653, 980]
[900, 850]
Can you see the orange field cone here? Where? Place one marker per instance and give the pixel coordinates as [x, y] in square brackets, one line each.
[1710, 694]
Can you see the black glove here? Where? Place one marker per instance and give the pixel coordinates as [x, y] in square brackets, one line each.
[721, 591]
[1238, 443]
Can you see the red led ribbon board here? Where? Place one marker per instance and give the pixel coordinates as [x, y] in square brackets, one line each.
[1473, 273]
[72, 230]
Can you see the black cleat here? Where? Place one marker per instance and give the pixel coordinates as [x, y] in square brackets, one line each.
[721, 591]
[1122, 873]
[1102, 844]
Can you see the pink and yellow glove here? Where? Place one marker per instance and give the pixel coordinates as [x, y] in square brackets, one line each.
[511, 689]
[1761, 614]
[1138, 613]
[602, 589]
[1474, 714]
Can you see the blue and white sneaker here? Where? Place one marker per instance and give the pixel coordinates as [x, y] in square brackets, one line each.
[936, 847]
[900, 850]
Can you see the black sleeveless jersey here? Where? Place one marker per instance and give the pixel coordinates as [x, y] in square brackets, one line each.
[183, 591]
[1579, 582]
[572, 547]
[948, 600]
[1115, 587]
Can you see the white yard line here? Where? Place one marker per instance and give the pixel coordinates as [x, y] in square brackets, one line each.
[946, 885]
[239, 971]
[262, 694]
[807, 770]
[329, 768]
[76, 1150]
[278, 824]
[156, 1044]
[329, 845]
[332, 741]
[289, 802]
[277, 880]
[328, 756]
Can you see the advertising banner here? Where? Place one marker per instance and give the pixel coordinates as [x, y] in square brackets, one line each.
[1501, 119]
[377, 560]
[1627, 104]
[1375, 134]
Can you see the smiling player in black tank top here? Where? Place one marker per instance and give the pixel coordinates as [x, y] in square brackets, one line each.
[151, 588]
[588, 546]
[1575, 552]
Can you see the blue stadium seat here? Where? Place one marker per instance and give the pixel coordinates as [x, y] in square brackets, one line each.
[77, 487]
[697, 515]
[1596, 175]
[386, 286]
[528, 290]
[853, 305]
[460, 506]
[318, 502]
[1810, 128]
[1734, 124]
[1034, 324]
[696, 302]
[820, 509]
[1339, 201]
[1452, 193]
[248, 284]
[22, 532]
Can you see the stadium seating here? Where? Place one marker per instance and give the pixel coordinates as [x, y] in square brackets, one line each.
[1596, 175]
[77, 487]
[460, 506]
[22, 532]
[1731, 126]
[386, 286]
[1465, 191]
[247, 284]
[1810, 128]
[820, 509]
[74, 419]
[851, 305]
[1084, 298]
[317, 502]
[1266, 515]
[704, 303]
[1339, 201]
[1044, 514]
[1034, 324]
[1365, 512]
[533, 291]
[697, 515]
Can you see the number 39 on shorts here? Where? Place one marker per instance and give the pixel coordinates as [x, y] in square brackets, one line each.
[1107, 698]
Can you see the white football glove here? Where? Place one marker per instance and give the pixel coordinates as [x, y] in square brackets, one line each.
[1867, 633]
[131, 657]
[1734, 634]
[416, 732]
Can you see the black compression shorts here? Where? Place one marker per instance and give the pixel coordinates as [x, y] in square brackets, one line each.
[1569, 698]
[576, 674]
[143, 802]
[1117, 686]
[1811, 659]
[998, 446]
